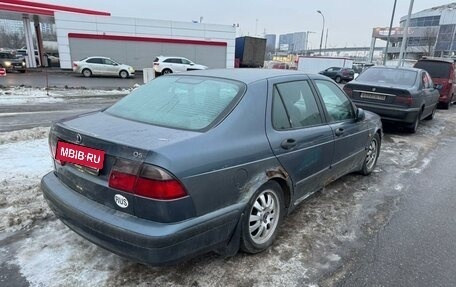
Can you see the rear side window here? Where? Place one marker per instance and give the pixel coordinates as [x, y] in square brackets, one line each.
[294, 106]
[435, 68]
[182, 102]
[95, 61]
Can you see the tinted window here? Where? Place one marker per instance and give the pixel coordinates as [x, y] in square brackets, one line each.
[336, 102]
[435, 69]
[393, 76]
[192, 103]
[294, 103]
[185, 61]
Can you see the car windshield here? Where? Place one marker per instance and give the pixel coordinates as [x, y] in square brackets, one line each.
[435, 68]
[392, 76]
[183, 102]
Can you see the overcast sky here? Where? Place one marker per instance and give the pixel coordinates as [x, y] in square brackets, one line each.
[350, 22]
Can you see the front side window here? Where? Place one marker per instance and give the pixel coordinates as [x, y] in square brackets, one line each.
[186, 62]
[108, 62]
[182, 102]
[294, 106]
[336, 102]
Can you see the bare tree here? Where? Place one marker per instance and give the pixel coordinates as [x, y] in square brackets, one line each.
[11, 40]
[430, 36]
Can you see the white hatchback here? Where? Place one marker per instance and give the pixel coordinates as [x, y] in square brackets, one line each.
[167, 65]
[102, 66]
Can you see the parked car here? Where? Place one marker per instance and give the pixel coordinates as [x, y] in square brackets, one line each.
[10, 62]
[102, 66]
[339, 74]
[167, 65]
[205, 160]
[443, 75]
[404, 95]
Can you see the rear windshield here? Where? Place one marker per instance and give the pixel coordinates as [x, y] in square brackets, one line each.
[182, 102]
[388, 76]
[435, 69]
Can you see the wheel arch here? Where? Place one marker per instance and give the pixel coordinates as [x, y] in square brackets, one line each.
[277, 174]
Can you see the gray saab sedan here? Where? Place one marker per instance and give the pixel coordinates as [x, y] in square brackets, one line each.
[205, 160]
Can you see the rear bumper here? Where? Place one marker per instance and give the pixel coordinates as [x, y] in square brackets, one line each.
[135, 238]
[403, 115]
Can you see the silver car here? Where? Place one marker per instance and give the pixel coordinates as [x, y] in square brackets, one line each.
[102, 66]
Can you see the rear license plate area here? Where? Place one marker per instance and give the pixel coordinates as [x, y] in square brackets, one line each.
[373, 96]
[80, 155]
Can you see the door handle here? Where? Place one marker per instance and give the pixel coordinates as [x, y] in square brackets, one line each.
[339, 132]
[288, 144]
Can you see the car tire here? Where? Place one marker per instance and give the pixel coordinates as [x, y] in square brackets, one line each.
[414, 126]
[166, 71]
[87, 73]
[123, 74]
[262, 218]
[338, 79]
[373, 150]
[431, 116]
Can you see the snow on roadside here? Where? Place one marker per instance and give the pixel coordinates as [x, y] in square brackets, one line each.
[24, 159]
[27, 95]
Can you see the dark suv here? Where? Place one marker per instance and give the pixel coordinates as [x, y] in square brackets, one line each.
[10, 62]
[443, 75]
[339, 74]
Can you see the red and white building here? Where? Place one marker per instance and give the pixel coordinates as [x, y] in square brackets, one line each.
[132, 41]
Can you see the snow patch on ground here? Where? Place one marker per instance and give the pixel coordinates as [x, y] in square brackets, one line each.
[24, 159]
[63, 251]
[26, 95]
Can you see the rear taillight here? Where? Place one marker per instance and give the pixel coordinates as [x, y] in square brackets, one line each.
[146, 180]
[74, 64]
[406, 100]
[348, 91]
[53, 146]
[156, 64]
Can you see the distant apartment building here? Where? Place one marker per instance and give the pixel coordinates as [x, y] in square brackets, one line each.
[270, 42]
[293, 42]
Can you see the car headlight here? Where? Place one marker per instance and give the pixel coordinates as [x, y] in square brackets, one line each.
[7, 63]
[23, 64]
[130, 68]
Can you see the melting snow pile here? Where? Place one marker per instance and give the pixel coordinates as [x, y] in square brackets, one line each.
[24, 159]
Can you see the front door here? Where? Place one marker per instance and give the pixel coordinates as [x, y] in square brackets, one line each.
[298, 134]
[351, 136]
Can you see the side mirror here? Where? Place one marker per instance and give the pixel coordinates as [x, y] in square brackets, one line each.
[360, 114]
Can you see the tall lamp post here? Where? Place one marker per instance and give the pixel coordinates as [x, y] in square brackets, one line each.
[322, 29]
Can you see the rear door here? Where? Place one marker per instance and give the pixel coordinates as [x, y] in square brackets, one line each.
[298, 134]
[429, 93]
[351, 136]
[95, 65]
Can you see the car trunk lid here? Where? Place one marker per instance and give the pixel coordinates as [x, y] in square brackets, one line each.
[378, 94]
[123, 141]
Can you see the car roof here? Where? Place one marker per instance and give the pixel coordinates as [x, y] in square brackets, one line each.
[435, 59]
[97, 57]
[249, 75]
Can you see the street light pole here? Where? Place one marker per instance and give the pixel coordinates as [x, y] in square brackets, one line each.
[405, 35]
[322, 29]
[389, 33]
